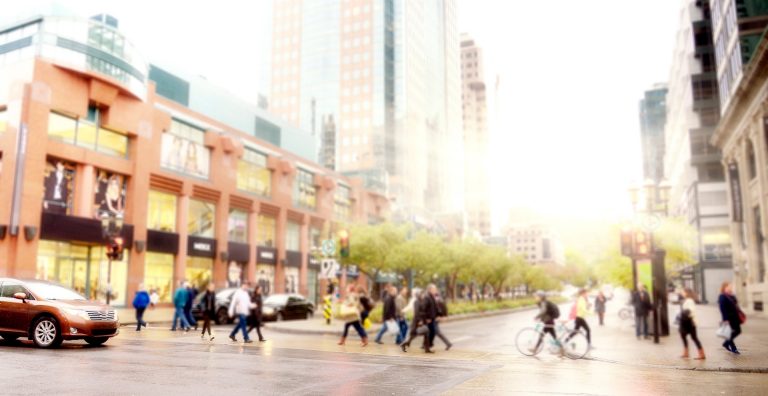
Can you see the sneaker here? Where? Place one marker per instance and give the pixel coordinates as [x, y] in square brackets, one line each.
[233, 338]
[727, 346]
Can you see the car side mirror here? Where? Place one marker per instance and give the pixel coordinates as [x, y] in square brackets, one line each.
[20, 296]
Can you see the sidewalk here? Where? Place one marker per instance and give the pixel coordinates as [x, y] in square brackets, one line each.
[318, 326]
[616, 343]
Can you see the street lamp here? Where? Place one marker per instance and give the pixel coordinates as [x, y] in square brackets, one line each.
[111, 230]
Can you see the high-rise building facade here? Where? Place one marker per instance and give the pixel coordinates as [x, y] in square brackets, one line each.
[653, 116]
[737, 27]
[475, 121]
[691, 163]
[536, 243]
[388, 73]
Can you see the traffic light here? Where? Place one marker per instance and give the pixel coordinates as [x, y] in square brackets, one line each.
[115, 249]
[642, 246]
[626, 243]
[344, 243]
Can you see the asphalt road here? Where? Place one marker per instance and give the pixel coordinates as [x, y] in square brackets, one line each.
[483, 361]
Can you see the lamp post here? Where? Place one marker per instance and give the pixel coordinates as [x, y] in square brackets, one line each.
[656, 197]
[111, 229]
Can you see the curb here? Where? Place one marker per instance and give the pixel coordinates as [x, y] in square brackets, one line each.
[741, 370]
[456, 318]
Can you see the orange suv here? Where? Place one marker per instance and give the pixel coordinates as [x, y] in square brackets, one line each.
[48, 313]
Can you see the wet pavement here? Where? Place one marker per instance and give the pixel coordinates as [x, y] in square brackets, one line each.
[484, 360]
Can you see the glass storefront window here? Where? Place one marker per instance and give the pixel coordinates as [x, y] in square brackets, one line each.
[161, 211]
[291, 280]
[202, 218]
[237, 228]
[87, 134]
[292, 236]
[253, 175]
[342, 202]
[158, 275]
[3, 120]
[184, 151]
[265, 277]
[199, 271]
[304, 190]
[84, 269]
[267, 228]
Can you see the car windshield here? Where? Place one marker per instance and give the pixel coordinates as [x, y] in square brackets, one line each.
[50, 291]
[278, 299]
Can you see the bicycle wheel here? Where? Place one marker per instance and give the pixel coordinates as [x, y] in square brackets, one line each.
[527, 341]
[575, 345]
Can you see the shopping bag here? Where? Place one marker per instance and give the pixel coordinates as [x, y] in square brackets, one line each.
[346, 312]
[392, 327]
[724, 331]
[367, 324]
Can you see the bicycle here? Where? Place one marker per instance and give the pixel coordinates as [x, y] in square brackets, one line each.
[627, 312]
[574, 345]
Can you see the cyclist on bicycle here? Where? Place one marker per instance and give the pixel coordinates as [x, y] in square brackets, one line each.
[548, 312]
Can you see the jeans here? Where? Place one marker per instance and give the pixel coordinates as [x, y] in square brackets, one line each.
[242, 324]
[403, 330]
[641, 321]
[190, 318]
[140, 318]
[358, 327]
[382, 331]
[179, 314]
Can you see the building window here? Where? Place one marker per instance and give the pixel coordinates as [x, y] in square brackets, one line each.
[109, 194]
[161, 211]
[342, 202]
[158, 275]
[87, 133]
[59, 187]
[237, 228]
[3, 120]
[292, 236]
[184, 151]
[751, 161]
[304, 190]
[198, 271]
[202, 218]
[253, 175]
[266, 230]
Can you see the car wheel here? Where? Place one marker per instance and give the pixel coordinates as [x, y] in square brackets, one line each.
[46, 332]
[279, 317]
[222, 316]
[96, 341]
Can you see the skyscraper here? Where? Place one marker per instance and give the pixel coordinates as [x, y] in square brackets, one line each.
[691, 163]
[475, 121]
[653, 115]
[388, 73]
[737, 27]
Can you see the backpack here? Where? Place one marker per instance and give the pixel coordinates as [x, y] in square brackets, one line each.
[553, 310]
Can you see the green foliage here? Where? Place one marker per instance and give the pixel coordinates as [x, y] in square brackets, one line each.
[468, 307]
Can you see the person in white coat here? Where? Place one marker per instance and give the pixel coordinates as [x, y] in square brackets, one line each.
[241, 307]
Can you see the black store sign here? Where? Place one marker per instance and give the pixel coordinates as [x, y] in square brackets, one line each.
[293, 259]
[266, 255]
[58, 227]
[201, 247]
[162, 242]
[239, 252]
[313, 262]
[737, 211]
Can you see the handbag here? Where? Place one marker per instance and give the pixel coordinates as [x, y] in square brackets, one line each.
[392, 327]
[724, 331]
[347, 312]
[742, 317]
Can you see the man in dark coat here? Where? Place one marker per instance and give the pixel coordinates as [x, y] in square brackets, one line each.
[641, 300]
[208, 307]
[389, 311]
[430, 316]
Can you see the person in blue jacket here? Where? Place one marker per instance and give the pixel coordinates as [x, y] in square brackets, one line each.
[179, 301]
[140, 303]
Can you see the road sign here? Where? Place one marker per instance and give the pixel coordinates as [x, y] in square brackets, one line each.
[328, 268]
[329, 247]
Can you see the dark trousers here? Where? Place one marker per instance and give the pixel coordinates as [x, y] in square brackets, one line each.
[581, 323]
[735, 331]
[601, 315]
[689, 330]
[190, 318]
[549, 328]
[403, 330]
[140, 318]
[256, 324]
[206, 322]
[441, 335]
[358, 327]
[432, 326]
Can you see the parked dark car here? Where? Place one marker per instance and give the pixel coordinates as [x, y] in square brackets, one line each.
[279, 307]
[223, 298]
[48, 313]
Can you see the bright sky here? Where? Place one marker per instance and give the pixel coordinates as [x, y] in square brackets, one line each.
[565, 130]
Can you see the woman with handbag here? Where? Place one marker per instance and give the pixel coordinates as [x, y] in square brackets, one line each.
[350, 311]
[731, 314]
[688, 323]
